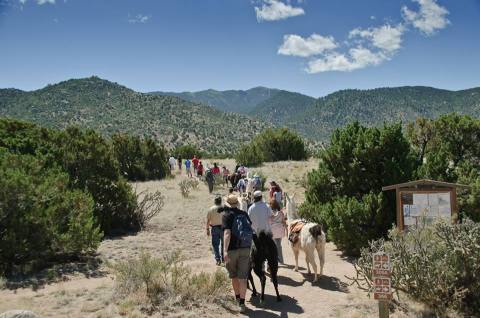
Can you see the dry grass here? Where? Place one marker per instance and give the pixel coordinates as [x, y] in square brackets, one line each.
[165, 283]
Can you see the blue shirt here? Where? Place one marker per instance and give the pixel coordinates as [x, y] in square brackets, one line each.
[187, 163]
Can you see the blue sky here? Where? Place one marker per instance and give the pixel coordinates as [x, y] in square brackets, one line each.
[310, 46]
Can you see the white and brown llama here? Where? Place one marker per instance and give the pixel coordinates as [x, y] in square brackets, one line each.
[311, 238]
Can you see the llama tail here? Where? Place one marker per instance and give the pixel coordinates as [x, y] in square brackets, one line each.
[316, 231]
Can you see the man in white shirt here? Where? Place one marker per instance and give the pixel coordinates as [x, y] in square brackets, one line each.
[172, 162]
[260, 214]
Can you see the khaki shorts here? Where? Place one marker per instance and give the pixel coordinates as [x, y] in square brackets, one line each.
[239, 264]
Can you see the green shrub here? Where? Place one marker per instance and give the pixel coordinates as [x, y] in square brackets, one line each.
[90, 162]
[272, 145]
[168, 282]
[139, 159]
[281, 144]
[249, 155]
[351, 223]
[187, 152]
[91, 165]
[437, 265]
[40, 217]
[345, 194]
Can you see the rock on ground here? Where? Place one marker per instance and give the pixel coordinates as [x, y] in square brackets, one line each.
[18, 314]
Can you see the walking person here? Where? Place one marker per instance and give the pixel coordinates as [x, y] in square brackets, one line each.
[260, 214]
[199, 169]
[214, 229]
[225, 174]
[179, 163]
[188, 168]
[172, 162]
[238, 237]
[210, 179]
[279, 227]
[195, 162]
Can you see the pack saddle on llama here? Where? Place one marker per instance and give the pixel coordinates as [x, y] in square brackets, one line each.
[305, 236]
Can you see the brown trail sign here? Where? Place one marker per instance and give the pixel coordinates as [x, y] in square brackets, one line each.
[382, 284]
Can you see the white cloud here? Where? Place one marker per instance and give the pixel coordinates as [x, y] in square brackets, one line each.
[40, 2]
[370, 47]
[315, 44]
[273, 10]
[430, 17]
[139, 18]
[385, 37]
[357, 58]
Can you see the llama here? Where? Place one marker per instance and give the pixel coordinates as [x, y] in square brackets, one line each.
[311, 238]
[264, 249]
[243, 202]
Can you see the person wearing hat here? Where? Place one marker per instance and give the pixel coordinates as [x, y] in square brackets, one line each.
[214, 228]
[260, 214]
[238, 238]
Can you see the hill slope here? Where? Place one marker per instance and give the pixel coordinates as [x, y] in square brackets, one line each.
[376, 106]
[109, 108]
[281, 107]
[237, 101]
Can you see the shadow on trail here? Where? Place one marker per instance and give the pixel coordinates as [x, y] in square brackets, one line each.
[328, 282]
[282, 309]
[287, 281]
[88, 266]
[291, 267]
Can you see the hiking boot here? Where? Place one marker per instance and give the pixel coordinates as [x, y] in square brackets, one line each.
[219, 263]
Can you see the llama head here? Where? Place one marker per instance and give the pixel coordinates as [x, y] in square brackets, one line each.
[291, 207]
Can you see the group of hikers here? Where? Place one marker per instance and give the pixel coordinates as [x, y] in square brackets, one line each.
[238, 180]
[233, 231]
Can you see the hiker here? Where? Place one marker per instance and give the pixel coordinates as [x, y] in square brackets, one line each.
[279, 227]
[276, 193]
[188, 164]
[257, 183]
[238, 237]
[179, 163]
[226, 174]
[199, 169]
[195, 162]
[260, 214]
[172, 162]
[242, 170]
[210, 179]
[215, 169]
[214, 228]
[241, 185]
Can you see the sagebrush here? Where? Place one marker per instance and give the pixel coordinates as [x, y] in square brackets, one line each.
[167, 283]
[438, 265]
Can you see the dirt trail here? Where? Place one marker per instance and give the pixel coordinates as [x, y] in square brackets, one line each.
[181, 226]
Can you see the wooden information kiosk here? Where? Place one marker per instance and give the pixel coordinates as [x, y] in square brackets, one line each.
[423, 201]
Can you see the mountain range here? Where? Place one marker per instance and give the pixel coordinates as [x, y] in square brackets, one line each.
[218, 121]
[317, 118]
[110, 108]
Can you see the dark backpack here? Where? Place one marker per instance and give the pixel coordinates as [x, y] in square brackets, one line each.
[242, 230]
[209, 175]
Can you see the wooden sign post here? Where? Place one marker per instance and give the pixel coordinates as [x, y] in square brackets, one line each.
[382, 284]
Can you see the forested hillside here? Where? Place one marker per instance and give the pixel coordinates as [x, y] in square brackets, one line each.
[281, 107]
[375, 106]
[238, 101]
[110, 108]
